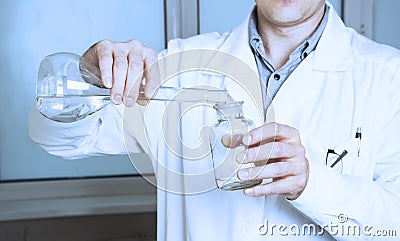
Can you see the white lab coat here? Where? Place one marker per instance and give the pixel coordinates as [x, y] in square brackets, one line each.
[347, 82]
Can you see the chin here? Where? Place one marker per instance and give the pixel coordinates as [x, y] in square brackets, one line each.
[286, 18]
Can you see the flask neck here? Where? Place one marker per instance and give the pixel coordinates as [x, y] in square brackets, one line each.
[232, 110]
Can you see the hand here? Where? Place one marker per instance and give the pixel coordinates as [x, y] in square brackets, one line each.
[277, 151]
[123, 67]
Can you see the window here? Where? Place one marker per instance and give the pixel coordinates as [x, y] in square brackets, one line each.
[34, 29]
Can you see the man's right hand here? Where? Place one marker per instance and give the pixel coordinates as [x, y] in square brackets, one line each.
[123, 66]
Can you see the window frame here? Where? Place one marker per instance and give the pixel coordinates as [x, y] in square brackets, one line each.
[64, 198]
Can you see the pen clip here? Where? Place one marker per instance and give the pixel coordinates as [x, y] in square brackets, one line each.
[358, 136]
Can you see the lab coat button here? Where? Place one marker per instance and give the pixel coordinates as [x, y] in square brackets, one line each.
[277, 77]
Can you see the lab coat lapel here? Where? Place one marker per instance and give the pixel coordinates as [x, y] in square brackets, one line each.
[334, 51]
[297, 88]
[307, 80]
[243, 70]
[305, 102]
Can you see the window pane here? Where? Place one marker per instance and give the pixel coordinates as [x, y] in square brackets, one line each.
[386, 22]
[337, 4]
[223, 15]
[33, 29]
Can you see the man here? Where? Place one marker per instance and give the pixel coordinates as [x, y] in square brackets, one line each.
[334, 94]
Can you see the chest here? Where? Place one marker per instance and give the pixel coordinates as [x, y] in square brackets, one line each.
[327, 108]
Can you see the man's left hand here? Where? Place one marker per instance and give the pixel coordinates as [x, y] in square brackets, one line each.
[278, 154]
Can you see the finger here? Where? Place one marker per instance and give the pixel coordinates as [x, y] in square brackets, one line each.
[90, 54]
[271, 150]
[120, 68]
[105, 65]
[271, 132]
[231, 141]
[151, 72]
[287, 187]
[272, 170]
[102, 52]
[134, 77]
[141, 99]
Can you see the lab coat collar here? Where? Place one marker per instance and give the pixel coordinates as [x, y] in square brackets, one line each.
[334, 52]
[237, 44]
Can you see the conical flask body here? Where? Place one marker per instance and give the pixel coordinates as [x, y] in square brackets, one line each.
[69, 88]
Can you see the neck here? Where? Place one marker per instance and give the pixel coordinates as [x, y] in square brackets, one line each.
[281, 41]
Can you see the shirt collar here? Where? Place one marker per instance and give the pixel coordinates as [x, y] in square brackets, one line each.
[254, 37]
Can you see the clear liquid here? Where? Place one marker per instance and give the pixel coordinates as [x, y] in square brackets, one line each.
[71, 108]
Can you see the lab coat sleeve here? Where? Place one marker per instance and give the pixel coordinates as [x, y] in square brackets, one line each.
[103, 132]
[370, 204]
[98, 134]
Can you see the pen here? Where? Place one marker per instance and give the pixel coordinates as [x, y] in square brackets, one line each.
[358, 136]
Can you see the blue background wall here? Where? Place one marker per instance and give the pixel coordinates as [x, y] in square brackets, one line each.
[33, 29]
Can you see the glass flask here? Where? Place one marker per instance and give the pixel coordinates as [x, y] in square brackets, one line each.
[68, 89]
[226, 144]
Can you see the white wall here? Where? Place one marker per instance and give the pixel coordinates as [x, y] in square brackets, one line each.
[33, 29]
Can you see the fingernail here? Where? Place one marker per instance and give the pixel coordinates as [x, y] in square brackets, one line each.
[129, 102]
[249, 191]
[241, 157]
[107, 83]
[243, 174]
[226, 140]
[246, 139]
[117, 99]
[143, 102]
